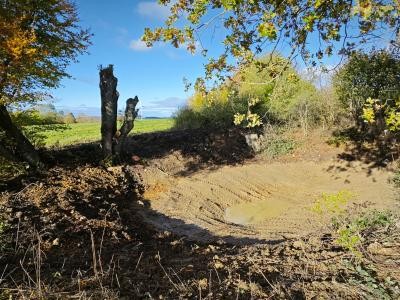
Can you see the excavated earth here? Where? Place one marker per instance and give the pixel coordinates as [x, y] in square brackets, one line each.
[197, 215]
[259, 201]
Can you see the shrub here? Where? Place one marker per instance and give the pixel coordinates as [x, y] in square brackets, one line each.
[187, 118]
[69, 119]
[332, 203]
[373, 75]
[351, 230]
[282, 95]
[214, 109]
[396, 178]
[331, 111]
[380, 114]
[279, 146]
[44, 114]
[273, 93]
[34, 122]
[337, 139]
[9, 170]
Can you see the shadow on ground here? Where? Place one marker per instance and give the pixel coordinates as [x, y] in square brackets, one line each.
[77, 231]
[376, 151]
[88, 226]
[197, 148]
[79, 234]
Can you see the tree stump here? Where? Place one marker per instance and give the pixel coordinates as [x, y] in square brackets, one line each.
[130, 115]
[25, 150]
[109, 104]
[113, 141]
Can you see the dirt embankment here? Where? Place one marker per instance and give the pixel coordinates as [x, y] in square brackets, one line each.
[184, 222]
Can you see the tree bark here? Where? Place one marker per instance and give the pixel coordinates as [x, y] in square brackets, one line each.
[130, 115]
[109, 102]
[24, 147]
[7, 154]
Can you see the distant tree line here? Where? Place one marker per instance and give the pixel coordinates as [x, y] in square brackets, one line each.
[47, 114]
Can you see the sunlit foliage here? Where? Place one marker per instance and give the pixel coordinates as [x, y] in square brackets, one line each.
[369, 83]
[252, 26]
[389, 111]
[38, 39]
[255, 96]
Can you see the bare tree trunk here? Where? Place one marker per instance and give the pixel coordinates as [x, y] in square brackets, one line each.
[130, 115]
[109, 102]
[7, 154]
[24, 147]
[112, 141]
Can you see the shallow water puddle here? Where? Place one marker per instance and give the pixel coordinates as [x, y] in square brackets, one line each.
[254, 212]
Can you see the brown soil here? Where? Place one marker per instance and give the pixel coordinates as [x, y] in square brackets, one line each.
[262, 200]
[259, 201]
[171, 227]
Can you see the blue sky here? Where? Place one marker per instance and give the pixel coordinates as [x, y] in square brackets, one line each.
[155, 75]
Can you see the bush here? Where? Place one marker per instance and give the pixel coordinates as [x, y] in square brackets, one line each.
[44, 114]
[214, 109]
[332, 203]
[396, 178]
[351, 230]
[9, 170]
[373, 75]
[284, 96]
[69, 119]
[187, 118]
[380, 115]
[268, 91]
[276, 146]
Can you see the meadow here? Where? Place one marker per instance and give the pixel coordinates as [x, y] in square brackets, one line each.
[70, 134]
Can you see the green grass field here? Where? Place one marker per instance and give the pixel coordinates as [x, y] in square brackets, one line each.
[50, 135]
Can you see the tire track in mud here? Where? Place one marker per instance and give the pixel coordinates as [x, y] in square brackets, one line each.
[259, 202]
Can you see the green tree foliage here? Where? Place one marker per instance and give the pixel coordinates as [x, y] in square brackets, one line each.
[374, 75]
[35, 122]
[382, 114]
[38, 39]
[255, 96]
[40, 114]
[277, 97]
[255, 25]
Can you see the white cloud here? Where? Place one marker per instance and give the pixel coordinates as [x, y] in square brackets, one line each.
[138, 45]
[153, 10]
[170, 102]
[165, 107]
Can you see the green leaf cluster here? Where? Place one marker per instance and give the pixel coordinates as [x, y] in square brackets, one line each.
[388, 110]
[38, 40]
[366, 77]
[254, 96]
[252, 26]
